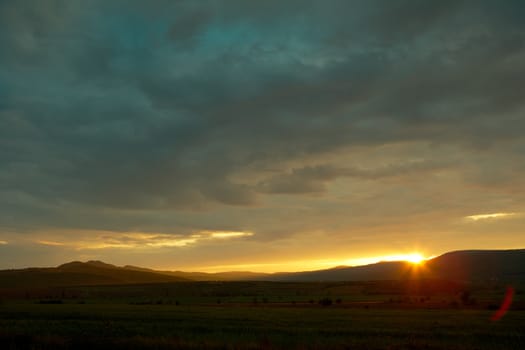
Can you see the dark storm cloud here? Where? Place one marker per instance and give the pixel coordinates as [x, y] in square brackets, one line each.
[168, 105]
[314, 179]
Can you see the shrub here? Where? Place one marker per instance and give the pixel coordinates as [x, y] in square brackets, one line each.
[50, 301]
[325, 302]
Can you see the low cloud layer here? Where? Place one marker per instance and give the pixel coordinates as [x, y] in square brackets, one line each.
[279, 118]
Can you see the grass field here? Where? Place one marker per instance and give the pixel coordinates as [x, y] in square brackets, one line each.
[189, 316]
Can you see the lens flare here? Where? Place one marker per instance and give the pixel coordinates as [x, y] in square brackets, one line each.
[505, 305]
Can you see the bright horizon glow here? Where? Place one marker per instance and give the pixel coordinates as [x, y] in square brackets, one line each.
[415, 258]
[305, 265]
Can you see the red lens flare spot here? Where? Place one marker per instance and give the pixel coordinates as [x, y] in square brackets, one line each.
[505, 305]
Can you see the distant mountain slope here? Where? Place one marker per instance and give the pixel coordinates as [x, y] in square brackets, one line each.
[468, 265]
[391, 270]
[501, 265]
[78, 273]
[203, 276]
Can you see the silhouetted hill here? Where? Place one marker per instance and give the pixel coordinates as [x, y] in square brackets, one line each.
[99, 273]
[203, 276]
[478, 265]
[462, 266]
[86, 266]
[78, 273]
[391, 270]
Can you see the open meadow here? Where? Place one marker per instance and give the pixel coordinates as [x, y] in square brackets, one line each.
[257, 315]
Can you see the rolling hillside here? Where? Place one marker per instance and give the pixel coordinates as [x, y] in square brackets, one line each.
[462, 266]
[478, 265]
[203, 276]
[78, 273]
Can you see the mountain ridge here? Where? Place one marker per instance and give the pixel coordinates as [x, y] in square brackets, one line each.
[462, 265]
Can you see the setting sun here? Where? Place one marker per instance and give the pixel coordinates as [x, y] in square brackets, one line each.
[414, 258]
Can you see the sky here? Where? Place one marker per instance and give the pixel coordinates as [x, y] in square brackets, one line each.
[259, 135]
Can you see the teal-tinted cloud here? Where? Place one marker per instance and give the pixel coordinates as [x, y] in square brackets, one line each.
[194, 106]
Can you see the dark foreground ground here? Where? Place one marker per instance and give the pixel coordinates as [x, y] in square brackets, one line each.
[239, 316]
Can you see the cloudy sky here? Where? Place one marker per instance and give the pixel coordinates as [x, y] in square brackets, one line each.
[259, 135]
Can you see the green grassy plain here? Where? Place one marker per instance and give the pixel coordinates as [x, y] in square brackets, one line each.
[255, 315]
